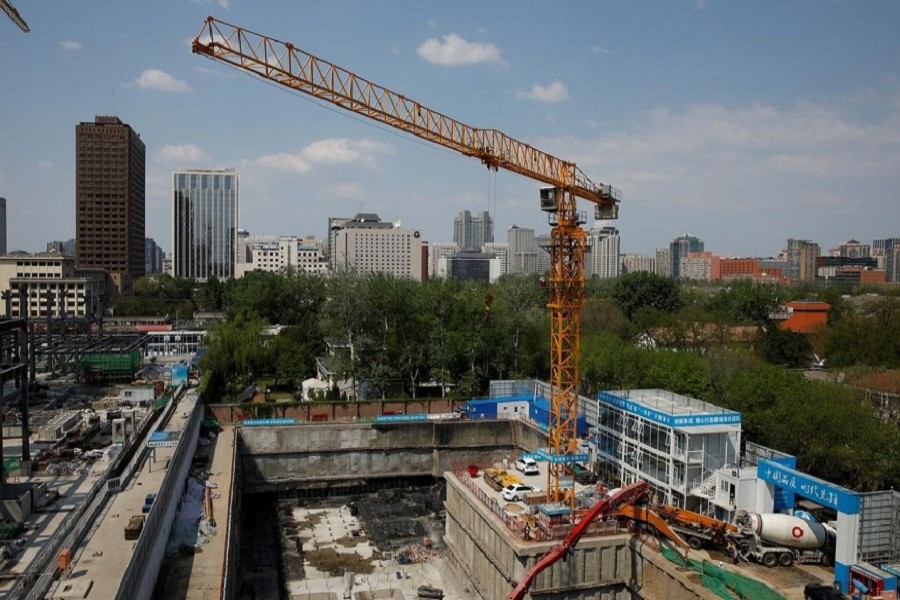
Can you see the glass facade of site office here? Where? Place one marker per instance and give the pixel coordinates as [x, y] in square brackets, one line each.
[204, 223]
[673, 442]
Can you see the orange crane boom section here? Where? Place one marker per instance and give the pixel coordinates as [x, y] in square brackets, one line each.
[284, 63]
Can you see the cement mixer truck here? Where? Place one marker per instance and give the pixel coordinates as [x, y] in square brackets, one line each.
[779, 539]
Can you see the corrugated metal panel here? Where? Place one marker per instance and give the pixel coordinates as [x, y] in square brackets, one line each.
[879, 527]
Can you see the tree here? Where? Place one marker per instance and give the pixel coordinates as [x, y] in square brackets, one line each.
[518, 302]
[744, 303]
[646, 290]
[784, 347]
[235, 356]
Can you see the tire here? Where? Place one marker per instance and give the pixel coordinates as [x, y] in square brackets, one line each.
[769, 559]
[786, 559]
[695, 543]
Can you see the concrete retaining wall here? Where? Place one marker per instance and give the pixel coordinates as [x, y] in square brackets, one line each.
[288, 456]
[615, 567]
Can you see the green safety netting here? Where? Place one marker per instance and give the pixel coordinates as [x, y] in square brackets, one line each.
[723, 583]
[108, 362]
[11, 464]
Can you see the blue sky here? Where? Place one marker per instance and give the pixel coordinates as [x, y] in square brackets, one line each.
[743, 123]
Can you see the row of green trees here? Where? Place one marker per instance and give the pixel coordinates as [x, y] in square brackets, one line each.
[386, 334]
[834, 432]
[395, 334]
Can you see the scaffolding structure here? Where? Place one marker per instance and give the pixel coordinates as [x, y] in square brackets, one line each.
[89, 357]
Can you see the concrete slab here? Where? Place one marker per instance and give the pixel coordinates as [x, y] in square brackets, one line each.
[105, 555]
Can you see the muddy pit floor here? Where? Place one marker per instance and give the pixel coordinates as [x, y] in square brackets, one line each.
[379, 545]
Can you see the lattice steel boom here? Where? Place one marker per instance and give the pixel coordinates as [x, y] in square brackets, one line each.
[14, 15]
[284, 63]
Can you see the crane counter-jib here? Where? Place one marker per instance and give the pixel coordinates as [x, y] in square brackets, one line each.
[284, 63]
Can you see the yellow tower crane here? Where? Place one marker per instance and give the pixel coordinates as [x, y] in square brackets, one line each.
[284, 63]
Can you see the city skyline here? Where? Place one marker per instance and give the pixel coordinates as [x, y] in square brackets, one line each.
[745, 125]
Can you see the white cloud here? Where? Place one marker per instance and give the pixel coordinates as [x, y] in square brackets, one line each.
[69, 45]
[284, 162]
[331, 151]
[155, 79]
[183, 153]
[555, 92]
[394, 50]
[602, 51]
[455, 51]
[751, 159]
[46, 165]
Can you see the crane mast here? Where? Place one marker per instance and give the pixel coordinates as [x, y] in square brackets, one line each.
[284, 63]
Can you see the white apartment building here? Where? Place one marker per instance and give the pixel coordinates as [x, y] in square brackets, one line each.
[367, 244]
[663, 262]
[275, 253]
[634, 263]
[501, 251]
[71, 291]
[604, 253]
[699, 266]
[436, 252]
[523, 250]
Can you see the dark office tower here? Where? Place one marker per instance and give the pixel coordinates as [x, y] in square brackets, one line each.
[109, 199]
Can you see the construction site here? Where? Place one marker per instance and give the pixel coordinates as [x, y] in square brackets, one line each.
[119, 482]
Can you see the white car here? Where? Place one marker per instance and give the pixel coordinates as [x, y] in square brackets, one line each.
[528, 466]
[515, 492]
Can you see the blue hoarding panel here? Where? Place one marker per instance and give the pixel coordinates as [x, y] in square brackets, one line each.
[817, 490]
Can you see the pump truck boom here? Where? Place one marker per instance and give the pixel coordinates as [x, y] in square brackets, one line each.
[284, 63]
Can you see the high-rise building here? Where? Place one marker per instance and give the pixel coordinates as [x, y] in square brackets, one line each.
[471, 233]
[66, 248]
[634, 263]
[110, 199]
[276, 253]
[604, 253]
[369, 245]
[2, 225]
[739, 268]
[854, 249]
[500, 250]
[436, 252]
[801, 258]
[680, 247]
[205, 223]
[523, 250]
[153, 257]
[883, 251]
[699, 266]
[663, 262]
